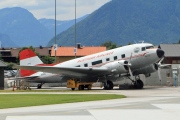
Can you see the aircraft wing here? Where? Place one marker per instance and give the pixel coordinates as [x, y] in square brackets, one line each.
[27, 77]
[68, 71]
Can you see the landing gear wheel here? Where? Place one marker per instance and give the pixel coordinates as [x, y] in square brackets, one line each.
[109, 85]
[138, 84]
[39, 86]
[72, 88]
[89, 87]
[81, 87]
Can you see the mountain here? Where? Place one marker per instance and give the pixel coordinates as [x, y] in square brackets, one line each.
[60, 25]
[5, 41]
[124, 21]
[22, 27]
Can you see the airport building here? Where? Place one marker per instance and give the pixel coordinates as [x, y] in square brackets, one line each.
[11, 54]
[68, 53]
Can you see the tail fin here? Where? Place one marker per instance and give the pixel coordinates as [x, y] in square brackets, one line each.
[28, 57]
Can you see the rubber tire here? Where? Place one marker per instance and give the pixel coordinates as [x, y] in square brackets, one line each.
[109, 85]
[89, 87]
[81, 87]
[139, 84]
[39, 86]
[72, 88]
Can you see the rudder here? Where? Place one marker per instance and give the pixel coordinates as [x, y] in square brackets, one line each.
[28, 57]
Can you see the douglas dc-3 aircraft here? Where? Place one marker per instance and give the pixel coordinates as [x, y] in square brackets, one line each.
[105, 67]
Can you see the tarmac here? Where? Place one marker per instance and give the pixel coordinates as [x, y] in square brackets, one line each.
[161, 103]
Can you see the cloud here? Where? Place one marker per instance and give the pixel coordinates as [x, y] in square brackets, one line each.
[65, 9]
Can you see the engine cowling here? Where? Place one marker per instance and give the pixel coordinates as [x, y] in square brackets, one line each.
[146, 70]
[117, 66]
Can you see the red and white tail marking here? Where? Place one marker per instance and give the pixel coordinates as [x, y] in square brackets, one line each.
[28, 57]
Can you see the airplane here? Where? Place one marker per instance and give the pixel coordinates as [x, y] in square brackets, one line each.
[128, 61]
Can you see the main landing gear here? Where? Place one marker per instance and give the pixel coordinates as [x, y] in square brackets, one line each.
[138, 84]
[108, 85]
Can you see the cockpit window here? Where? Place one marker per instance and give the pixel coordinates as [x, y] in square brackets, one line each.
[149, 47]
[143, 48]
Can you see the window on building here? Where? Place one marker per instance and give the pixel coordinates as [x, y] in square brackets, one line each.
[97, 62]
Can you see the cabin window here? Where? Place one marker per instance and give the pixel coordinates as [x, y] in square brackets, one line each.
[86, 65]
[78, 66]
[97, 62]
[107, 59]
[115, 57]
[143, 48]
[123, 56]
[149, 47]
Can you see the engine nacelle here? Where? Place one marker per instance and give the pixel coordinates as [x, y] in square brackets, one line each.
[117, 67]
[146, 70]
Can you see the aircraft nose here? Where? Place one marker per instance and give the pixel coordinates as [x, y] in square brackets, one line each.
[160, 53]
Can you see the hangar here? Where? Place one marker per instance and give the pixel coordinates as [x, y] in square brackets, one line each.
[2, 66]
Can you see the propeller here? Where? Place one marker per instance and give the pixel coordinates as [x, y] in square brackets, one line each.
[161, 66]
[128, 64]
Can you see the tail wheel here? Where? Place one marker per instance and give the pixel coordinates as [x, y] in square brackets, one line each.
[139, 84]
[39, 86]
[109, 85]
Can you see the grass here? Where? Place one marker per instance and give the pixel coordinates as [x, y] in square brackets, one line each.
[24, 100]
[37, 90]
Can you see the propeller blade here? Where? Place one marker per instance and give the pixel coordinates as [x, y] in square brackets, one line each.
[161, 60]
[159, 73]
[164, 65]
[130, 72]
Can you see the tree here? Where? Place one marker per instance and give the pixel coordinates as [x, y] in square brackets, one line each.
[9, 66]
[47, 59]
[179, 41]
[129, 43]
[109, 45]
[1, 56]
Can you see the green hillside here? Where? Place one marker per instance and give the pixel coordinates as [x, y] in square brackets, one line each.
[124, 21]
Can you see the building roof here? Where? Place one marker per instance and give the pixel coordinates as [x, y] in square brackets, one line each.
[43, 51]
[15, 52]
[171, 50]
[69, 51]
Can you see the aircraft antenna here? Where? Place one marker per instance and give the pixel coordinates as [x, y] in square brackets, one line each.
[142, 41]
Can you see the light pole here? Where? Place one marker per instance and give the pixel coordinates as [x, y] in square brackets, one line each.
[55, 46]
[75, 46]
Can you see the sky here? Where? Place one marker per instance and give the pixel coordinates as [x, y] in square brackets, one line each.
[65, 9]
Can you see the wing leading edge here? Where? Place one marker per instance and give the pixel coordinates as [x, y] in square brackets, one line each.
[68, 71]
